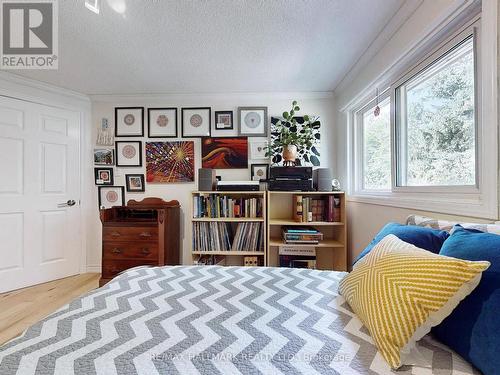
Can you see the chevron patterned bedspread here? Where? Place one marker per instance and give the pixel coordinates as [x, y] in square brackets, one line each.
[210, 320]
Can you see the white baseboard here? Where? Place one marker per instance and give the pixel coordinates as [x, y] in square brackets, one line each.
[94, 268]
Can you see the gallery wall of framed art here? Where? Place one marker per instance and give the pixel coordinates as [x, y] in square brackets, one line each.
[162, 122]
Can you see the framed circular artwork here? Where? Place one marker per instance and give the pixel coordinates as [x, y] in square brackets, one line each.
[162, 122]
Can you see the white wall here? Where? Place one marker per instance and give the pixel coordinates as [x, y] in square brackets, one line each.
[365, 220]
[320, 104]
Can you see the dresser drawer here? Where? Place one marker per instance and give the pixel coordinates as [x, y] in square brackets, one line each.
[130, 234]
[127, 250]
[111, 268]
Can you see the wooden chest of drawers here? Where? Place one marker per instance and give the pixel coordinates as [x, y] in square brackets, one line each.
[141, 233]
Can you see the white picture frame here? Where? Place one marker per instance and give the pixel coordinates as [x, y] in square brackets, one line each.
[258, 149]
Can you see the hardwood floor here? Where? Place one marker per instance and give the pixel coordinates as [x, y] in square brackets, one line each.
[22, 308]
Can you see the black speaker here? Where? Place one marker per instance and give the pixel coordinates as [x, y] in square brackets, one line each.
[207, 180]
[323, 179]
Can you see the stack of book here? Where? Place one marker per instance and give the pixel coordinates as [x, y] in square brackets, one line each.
[216, 206]
[217, 236]
[316, 208]
[301, 235]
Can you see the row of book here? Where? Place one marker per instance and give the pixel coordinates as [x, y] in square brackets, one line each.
[217, 236]
[316, 208]
[216, 206]
[301, 235]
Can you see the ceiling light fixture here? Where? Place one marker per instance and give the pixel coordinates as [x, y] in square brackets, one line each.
[92, 5]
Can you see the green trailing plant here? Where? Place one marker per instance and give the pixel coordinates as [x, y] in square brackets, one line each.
[286, 129]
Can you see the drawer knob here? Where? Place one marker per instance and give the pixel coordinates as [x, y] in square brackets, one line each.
[146, 251]
[115, 234]
[145, 235]
[116, 250]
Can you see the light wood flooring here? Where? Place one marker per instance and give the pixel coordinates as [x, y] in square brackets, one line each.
[22, 308]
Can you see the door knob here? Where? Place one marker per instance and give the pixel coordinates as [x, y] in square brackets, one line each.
[68, 203]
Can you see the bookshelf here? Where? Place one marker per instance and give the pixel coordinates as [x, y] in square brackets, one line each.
[331, 252]
[254, 216]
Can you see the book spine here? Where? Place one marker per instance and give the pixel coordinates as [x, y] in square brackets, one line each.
[297, 204]
[329, 208]
[336, 209]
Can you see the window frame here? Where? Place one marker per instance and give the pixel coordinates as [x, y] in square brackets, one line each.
[359, 137]
[471, 29]
[479, 201]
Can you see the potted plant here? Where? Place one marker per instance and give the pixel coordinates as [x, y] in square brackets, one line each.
[289, 141]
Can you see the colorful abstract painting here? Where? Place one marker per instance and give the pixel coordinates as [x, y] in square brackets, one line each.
[169, 162]
[224, 153]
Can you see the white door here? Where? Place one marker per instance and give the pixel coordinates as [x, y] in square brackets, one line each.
[39, 175]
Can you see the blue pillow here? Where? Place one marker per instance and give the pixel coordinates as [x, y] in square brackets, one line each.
[422, 237]
[473, 328]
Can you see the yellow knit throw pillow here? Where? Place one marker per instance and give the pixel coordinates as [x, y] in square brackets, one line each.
[400, 292]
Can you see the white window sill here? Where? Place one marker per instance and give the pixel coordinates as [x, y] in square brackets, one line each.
[472, 205]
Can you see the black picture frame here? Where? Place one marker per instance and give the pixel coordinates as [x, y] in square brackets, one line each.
[116, 122]
[209, 134]
[176, 122]
[100, 188]
[127, 183]
[97, 170]
[259, 166]
[224, 113]
[117, 156]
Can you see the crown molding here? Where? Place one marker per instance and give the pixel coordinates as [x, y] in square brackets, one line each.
[29, 89]
[124, 98]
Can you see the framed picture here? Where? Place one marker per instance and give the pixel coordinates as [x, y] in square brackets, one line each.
[103, 176]
[223, 120]
[104, 156]
[128, 153]
[252, 121]
[196, 122]
[224, 153]
[259, 172]
[134, 182]
[168, 162]
[258, 149]
[162, 122]
[110, 196]
[129, 121]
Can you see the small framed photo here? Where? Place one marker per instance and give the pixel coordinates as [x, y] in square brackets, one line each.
[128, 153]
[129, 121]
[196, 122]
[259, 171]
[103, 176]
[223, 120]
[162, 122]
[252, 121]
[258, 149]
[104, 156]
[134, 182]
[110, 196]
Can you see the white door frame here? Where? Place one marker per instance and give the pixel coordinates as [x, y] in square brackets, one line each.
[30, 90]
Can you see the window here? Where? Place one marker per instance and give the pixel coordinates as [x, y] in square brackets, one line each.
[376, 149]
[435, 122]
[434, 145]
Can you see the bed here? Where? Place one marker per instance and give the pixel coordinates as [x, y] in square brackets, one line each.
[211, 320]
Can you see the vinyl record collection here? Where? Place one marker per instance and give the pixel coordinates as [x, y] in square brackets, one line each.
[216, 236]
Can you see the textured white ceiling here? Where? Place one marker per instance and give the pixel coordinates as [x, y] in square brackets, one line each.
[205, 46]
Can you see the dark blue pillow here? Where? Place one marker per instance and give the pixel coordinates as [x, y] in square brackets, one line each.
[473, 328]
[422, 237]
